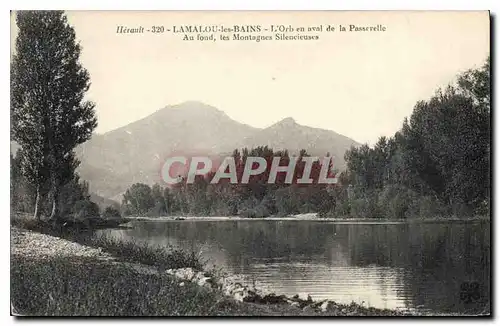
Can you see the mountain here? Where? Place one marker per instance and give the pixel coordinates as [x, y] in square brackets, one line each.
[288, 134]
[134, 153]
[113, 161]
[103, 203]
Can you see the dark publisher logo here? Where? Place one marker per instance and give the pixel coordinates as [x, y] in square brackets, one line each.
[469, 292]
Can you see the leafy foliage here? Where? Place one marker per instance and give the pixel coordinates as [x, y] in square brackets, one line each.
[111, 212]
[439, 162]
[23, 193]
[86, 209]
[49, 116]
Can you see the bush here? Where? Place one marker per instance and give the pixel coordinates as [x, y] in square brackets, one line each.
[426, 207]
[258, 212]
[286, 202]
[367, 206]
[359, 208]
[111, 212]
[342, 209]
[398, 202]
[85, 209]
[269, 205]
[483, 208]
[248, 213]
[262, 211]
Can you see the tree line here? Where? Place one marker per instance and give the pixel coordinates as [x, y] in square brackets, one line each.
[257, 198]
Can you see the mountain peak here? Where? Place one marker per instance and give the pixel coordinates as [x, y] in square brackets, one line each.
[287, 122]
[189, 110]
[193, 106]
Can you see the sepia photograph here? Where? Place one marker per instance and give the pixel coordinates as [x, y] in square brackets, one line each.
[250, 163]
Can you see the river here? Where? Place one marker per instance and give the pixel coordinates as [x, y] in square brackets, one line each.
[441, 267]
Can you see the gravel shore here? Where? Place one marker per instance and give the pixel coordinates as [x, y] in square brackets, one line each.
[39, 246]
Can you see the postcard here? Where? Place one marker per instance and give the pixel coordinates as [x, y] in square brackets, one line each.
[250, 163]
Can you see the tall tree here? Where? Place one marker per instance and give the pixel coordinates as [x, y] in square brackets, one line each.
[49, 116]
[138, 199]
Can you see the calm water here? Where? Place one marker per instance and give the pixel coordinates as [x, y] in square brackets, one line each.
[424, 266]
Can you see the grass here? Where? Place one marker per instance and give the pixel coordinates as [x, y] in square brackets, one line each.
[85, 287]
[147, 254]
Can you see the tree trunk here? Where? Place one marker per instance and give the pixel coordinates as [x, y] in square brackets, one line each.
[36, 215]
[53, 213]
[55, 196]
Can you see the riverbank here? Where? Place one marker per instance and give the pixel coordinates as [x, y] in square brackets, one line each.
[52, 276]
[310, 217]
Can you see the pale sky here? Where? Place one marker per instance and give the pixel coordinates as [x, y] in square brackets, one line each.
[359, 84]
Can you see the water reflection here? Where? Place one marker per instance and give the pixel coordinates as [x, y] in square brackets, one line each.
[418, 265]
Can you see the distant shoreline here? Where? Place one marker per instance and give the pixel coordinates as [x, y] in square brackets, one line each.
[309, 217]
